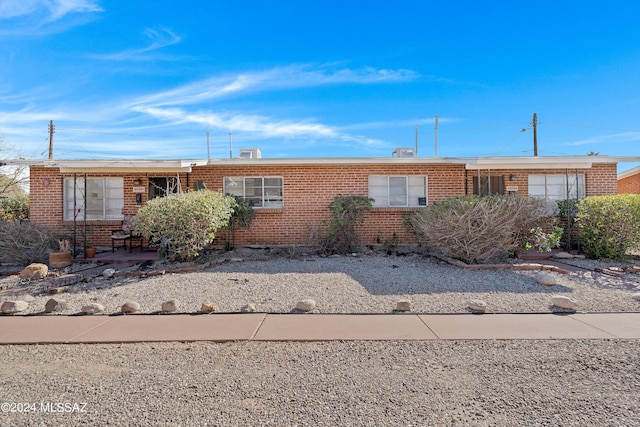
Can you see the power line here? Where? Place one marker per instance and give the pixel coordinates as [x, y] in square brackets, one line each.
[592, 127]
[111, 133]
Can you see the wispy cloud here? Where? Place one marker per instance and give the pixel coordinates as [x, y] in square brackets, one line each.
[280, 78]
[621, 137]
[61, 8]
[404, 123]
[175, 106]
[186, 111]
[159, 39]
[33, 18]
[252, 124]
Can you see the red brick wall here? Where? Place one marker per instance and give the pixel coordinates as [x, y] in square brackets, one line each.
[629, 185]
[599, 180]
[308, 191]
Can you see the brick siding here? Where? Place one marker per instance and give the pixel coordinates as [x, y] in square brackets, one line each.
[308, 191]
[629, 185]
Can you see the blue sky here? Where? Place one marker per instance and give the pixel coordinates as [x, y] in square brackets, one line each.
[327, 78]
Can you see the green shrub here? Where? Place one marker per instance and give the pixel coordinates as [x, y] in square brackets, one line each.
[567, 208]
[346, 213]
[186, 222]
[610, 225]
[14, 208]
[480, 229]
[242, 216]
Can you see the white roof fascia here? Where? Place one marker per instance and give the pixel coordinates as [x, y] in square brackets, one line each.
[544, 162]
[339, 161]
[528, 165]
[150, 166]
[474, 163]
[628, 173]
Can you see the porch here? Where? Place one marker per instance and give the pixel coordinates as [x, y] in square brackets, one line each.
[123, 256]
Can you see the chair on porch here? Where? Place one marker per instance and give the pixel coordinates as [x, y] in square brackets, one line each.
[125, 234]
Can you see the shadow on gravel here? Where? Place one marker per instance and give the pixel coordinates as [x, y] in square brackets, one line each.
[393, 275]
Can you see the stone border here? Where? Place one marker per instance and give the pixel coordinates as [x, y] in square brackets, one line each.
[152, 273]
[533, 266]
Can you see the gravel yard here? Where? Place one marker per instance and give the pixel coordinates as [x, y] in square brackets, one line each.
[505, 383]
[363, 284]
[483, 383]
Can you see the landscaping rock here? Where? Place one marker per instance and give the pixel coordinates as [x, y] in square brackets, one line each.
[477, 305]
[12, 307]
[209, 307]
[636, 296]
[249, 308]
[108, 273]
[566, 303]
[35, 271]
[403, 305]
[563, 255]
[130, 307]
[55, 304]
[170, 306]
[305, 305]
[92, 308]
[546, 279]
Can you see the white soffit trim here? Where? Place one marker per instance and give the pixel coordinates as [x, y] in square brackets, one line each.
[628, 173]
[124, 166]
[485, 165]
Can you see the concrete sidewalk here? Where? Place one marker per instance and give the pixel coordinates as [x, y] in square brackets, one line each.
[41, 329]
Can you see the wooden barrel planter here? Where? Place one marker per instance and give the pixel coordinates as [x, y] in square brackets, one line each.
[59, 259]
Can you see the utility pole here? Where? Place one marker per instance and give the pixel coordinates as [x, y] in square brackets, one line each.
[52, 130]
[535, 134]
[230, 146]
[416, 154]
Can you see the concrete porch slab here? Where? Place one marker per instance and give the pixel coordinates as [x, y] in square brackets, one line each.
[316, 327]
[511, 326]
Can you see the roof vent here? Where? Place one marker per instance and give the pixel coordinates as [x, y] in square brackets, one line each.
[402, 152]
[249, 153]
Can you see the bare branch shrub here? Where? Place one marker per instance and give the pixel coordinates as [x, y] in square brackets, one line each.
[478, 229]
[23, 243]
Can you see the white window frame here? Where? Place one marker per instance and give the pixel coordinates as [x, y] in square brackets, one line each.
[105, 199]
[271, 196]
[388, 191]
[544, 187]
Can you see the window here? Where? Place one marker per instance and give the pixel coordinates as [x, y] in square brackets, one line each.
[163, 186]
[556, 187]
[104, 198]
[489, 184]
[398, 191]
[261, 192]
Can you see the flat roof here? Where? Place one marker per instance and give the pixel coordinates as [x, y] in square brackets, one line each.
[186, 165]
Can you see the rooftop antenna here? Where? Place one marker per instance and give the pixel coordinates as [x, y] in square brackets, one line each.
[208, 155]
[230, 146]
[416, 141]
[435, 142]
